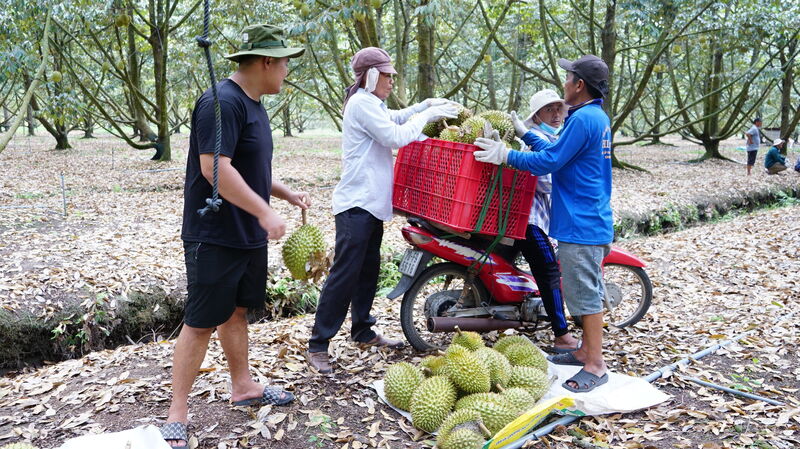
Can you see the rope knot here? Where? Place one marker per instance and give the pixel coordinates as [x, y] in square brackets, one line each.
[203, 42]
[211, 205]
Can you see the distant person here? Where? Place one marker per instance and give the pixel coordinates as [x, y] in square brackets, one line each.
[545, 119]
[753, 136]
[362, 200]
[775, 162]
[226, 251]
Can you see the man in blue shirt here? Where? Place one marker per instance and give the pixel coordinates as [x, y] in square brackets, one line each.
[581, 220]
[775, 162]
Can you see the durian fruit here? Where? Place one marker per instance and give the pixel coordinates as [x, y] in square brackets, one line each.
[469, 340]
[519, 398]
[466, 371]
[18, 446]
[400, 382]
[504, 342]
[433, 129]
[531, 379]
[433, 365]
[463, 115]
[461, 438]
[471, 129]
[497, 364]
[501, 122]
[495, 416]
[470, 401]
[302, 248]
[432, 402]
[521, 354]
[451, 133]
[457, 419]
[56, 76]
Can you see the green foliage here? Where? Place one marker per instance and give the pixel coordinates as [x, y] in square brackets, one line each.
[389, 274]
[290, 297]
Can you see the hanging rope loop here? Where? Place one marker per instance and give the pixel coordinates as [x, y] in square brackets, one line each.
[213, 203]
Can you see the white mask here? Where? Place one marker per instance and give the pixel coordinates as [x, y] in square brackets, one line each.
[372, 79]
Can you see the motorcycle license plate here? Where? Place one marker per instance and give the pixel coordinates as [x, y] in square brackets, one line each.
[411, 258]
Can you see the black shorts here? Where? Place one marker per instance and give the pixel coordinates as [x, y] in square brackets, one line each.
[751, 157]
[220, 279]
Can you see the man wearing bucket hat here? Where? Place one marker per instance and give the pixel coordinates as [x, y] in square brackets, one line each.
[774, 161]
[580, 161]
[547, 113]
[226, 250]
[362, 200]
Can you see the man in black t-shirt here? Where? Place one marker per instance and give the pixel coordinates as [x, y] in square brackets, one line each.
[226, 250]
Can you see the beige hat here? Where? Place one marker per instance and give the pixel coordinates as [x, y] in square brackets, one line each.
[543, 98]
[777, 142]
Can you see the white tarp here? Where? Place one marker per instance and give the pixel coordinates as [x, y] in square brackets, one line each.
[145, 437]
[621, 394]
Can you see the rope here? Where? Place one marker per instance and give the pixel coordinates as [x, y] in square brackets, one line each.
[213, 203]
[502, 219]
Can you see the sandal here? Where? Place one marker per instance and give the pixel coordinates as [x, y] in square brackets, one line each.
[586, 381]
[175, 431]
[565, 359]
[271, 396]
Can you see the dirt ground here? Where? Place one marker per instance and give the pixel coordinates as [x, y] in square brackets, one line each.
[711, 283]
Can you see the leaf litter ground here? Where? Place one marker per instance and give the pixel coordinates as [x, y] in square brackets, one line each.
[711, 282]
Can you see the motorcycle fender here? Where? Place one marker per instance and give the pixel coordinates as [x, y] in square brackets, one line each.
[622, 257]
[407, 281]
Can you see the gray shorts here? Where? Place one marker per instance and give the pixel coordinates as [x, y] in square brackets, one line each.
[582, 277]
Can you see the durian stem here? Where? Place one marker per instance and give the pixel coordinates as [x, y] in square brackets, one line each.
[499, 388]
[486, 432]
[427, 371]
[458, 331]
[304, 216]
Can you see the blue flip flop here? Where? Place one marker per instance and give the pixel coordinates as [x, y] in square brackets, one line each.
[565, 359]
[586, 381]
[271, 395]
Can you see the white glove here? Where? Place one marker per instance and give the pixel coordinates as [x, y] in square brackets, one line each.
[436, 113]
[519, 127]
[430, 102]
[494, 150]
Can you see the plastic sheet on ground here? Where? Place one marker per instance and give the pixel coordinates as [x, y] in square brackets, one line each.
[145, 437]
[621, 394]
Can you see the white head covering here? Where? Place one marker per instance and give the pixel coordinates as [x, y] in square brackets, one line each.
[541, 99]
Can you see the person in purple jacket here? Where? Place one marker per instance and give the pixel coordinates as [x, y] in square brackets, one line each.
[581, 220]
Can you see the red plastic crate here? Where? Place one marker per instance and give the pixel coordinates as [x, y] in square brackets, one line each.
[441, 181]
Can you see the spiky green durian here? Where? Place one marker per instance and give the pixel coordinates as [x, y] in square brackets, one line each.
[433, 365]
[457, 419]
[469, 340]
[501, 122]
[531, 379]
[498, 365]
[466, 371]
[504, 342]
[521, 354]
[462, 438]
[301, 248]
[400, 382]
[471, 129]
[451, 133]
[520, 398]
[495, 416]
[469, 401]
[432, 402]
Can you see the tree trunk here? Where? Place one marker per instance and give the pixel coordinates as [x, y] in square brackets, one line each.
[426, 78]
[287, 124]
[657, 129]
[400, 86]
[786, 93]
[159, 38]
[711, 123]
[31, 122]
[88, 127]
[141, 127]
[6, 119]
[490, 84]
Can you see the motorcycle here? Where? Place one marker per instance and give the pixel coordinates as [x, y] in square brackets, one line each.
[477, 288]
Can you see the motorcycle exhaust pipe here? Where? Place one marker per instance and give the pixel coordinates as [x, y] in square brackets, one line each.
[448, 324]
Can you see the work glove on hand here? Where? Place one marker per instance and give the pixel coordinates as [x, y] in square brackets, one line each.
[436, 113]
[430, 102]
[494, 150]
[519, 126]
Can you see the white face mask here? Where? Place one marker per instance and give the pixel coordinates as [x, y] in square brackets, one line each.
[372, 79]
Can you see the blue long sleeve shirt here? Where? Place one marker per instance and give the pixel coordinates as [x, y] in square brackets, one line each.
[774, 156]
[580, 162]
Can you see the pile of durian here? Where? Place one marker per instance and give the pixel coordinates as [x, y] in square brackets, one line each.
[466, 127]
[469, 392]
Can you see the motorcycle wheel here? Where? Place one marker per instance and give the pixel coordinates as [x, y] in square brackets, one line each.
[629, 294]
[435, 291]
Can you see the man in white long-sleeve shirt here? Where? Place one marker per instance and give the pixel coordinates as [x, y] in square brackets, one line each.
[362, 200]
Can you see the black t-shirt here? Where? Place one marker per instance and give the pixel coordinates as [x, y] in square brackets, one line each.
[247, 140]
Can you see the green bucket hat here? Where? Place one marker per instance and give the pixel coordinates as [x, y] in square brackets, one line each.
[265, 40]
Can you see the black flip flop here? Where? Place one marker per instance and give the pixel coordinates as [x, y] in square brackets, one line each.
[271, 395]
[175, 431]
[565, 359]
[586, 381]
